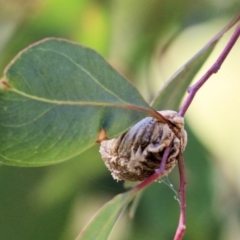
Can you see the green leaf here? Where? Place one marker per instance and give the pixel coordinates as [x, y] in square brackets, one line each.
[102, 223]
[55, 98]
[172, 92]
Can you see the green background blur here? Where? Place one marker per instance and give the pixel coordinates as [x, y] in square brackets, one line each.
[55, 202]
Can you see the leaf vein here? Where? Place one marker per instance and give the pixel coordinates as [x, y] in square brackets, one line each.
[86, 71]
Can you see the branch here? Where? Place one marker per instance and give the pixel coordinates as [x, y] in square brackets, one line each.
[192, 92]
[182, 219]
[214, 69]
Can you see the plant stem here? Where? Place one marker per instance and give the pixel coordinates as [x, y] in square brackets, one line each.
[214, 69]
[192, 92]
[182, 219]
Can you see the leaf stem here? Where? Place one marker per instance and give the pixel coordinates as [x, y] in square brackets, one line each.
[213, 69]
[192, 92]
[182, 219]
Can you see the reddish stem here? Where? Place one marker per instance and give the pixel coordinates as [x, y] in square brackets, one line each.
[192, 92]
[182, 219]
[214, 69]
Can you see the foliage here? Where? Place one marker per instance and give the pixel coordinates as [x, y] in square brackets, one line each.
[56, 202]
[56, 97]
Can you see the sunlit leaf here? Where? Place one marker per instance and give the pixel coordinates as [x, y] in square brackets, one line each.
[55, 98]
[102, 223]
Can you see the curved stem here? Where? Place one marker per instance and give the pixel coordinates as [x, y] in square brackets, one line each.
[182, 219]
[214, 69]
[192, 92]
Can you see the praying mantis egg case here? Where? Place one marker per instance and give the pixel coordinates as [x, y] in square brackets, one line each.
[136, 154]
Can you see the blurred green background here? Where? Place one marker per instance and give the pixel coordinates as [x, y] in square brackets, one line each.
[55, 202]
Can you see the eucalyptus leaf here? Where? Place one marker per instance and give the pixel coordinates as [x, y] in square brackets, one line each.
[55, 99]
[102, 223]
[171, 94]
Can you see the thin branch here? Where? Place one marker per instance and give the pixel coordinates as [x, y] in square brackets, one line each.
[214, 69]
[182, 219]
[192, 92]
